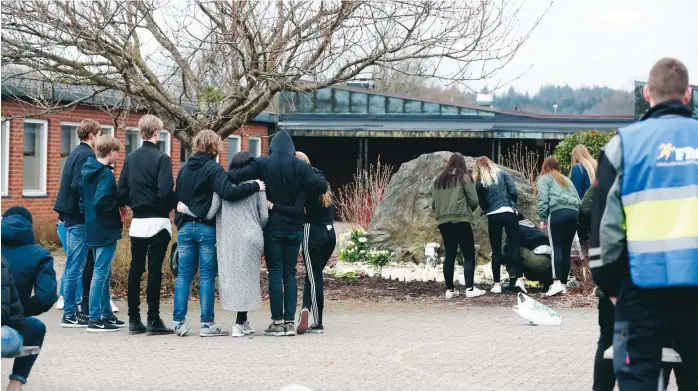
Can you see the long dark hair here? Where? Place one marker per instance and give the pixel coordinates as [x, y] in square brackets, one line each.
[454, 173]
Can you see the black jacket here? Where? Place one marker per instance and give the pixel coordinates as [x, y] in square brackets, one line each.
[315, 213]
[286, 179]
[31, 264]
[146, 183]
[68, 198]
[102, 218]
[498, 195]
[198, 179]
[531, 237]
[12, 312]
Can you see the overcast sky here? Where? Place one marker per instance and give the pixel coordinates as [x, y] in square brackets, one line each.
[604, 42]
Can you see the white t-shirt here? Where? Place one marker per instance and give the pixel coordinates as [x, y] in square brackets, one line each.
[149, 227]
[503, 209]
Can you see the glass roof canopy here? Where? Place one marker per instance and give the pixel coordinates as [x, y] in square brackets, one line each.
[344, 101]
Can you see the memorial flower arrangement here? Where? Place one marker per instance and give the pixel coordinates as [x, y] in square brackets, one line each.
[354, 247]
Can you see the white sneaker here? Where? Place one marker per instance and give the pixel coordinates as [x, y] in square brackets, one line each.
[180, 329]
[473, 292]
[451, 294]
[59, 303]
[496, 289]
[555, 289]
[520, 285]
[238, 331]
[247, 328]
[114, 308]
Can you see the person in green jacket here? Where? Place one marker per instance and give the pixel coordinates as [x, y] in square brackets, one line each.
[454, 200]
[558, 209]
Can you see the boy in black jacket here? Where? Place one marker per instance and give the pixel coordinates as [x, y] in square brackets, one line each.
[71, 224]
[103, 223]
[146, 185]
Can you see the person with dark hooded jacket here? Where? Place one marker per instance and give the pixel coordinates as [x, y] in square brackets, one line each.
[17, 330]
[103, 223]
[197, 181]
[32, 265]
[286, 179]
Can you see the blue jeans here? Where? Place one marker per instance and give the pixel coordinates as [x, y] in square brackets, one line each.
[76, 257]
[63, 236]
[281, 254]
[101, 278]
[196, 242]
[32, 334]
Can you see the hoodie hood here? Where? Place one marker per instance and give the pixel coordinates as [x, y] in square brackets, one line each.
[199, 159]
[17, 231]
[282, 144]
[92, 168]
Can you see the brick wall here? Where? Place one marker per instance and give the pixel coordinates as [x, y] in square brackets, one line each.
[42, 206]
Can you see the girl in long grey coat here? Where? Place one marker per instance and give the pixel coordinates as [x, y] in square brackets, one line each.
[239, 246]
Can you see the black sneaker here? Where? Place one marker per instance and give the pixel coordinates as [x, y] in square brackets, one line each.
[135, 326]
[315, 329]
[74, 321]
[114, 321]
[157, 327]
[101, 326]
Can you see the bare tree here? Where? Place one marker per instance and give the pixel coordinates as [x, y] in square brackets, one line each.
[219, 64]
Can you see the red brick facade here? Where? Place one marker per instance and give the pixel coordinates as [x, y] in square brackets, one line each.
[42, 206]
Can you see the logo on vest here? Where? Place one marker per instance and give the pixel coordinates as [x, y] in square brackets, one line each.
[676, 156]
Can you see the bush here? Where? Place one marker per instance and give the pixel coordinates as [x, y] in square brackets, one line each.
[357, 201]
[46, 234]
[594, 140]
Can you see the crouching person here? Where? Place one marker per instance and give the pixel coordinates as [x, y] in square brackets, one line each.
[28, 290]
[103, 223]
[534, 254]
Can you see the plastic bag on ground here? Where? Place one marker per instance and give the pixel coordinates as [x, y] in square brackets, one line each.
[536, 313]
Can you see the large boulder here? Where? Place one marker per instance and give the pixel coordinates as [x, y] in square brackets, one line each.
[404, 220]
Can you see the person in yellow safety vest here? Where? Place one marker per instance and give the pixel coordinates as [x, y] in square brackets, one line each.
[644, 243]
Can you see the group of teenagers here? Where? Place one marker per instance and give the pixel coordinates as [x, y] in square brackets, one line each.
[459, 191]
[226, 220]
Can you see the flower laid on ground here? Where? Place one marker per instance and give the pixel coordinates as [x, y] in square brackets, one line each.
[354, 247]
[378, 258]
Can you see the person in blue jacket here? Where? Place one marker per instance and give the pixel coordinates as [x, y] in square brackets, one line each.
[31, 267]
[583, 175]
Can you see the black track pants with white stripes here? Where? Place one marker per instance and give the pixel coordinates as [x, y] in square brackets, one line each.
[318, 244]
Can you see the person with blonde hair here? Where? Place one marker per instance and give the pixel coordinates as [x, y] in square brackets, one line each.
[583, 175]
[197, 181]
[558, 209]
[319, 241]
[496, 193]
[147, 186]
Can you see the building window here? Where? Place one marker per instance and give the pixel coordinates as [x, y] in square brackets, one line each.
[255, 146]
[133, 140]
[183, 153]
[35, 147]
[233, 147]
[108, 130]
[163, 141]
[69, 140]
[5, 156]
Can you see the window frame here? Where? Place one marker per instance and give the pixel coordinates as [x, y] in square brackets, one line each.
[259, 146]
[168, 139]
[77, 139]
[5, 186]
[110, 129]
[41, 192]
[231, 153]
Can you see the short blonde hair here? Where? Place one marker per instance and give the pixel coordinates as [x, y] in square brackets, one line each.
[88, 127]
[148, 125]
[207, 141]
[105, 144]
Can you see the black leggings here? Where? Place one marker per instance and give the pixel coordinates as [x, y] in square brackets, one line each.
[241, 318]
[319, 241]
[455, 235]
[509, 222]
[562, 225]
